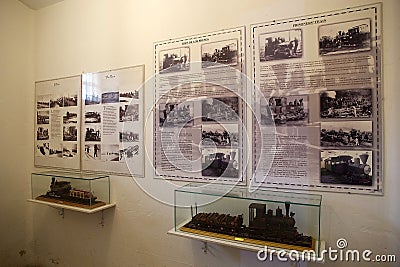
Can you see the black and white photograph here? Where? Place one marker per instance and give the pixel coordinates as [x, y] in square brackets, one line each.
[70, 150]
[128, 96]
[357, 134]
[42, 101]
[110, 152]
[220, 109]
[70, 117]
[71, 100]
[56, 101]
[93, 133]
[92, 117]
[285, 110]
[281, 45]
[42, 133]
[70, 133]
[351, 167]
[345, 37]
[110, 97]
[220, 162]
[346, 104]
[174, 60]
[220, 135]
[55, 150]
[42, 117]
[174, 114]
[92, 98]
[128, 152]
[128, 136]
[92, 151]
[42, 149]
[129, 113]
[222, 52]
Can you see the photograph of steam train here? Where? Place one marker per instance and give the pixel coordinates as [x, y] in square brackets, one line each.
[93, 151]
[70, 117]
[110, 152]
[222, 52]
[263, 224]
[286, 110]
[128, 136]
[173, 114]
[220, 109]
[220, 162]
[56, 101]
[281, 45]
[219, 135]
[352, 167]
[42, 133]
[345, 37]
[70, 133]
[43, 101]
[174, 60]
[71, 100]
[128, 96]
[129, 113]
[347, 134]
[92, 117]
[93, 133]
[70, 150]
[110, 97]
[344, 104]
[42, 117]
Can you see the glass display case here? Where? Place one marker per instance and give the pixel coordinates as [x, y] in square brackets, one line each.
[71, 189]
[251, 220]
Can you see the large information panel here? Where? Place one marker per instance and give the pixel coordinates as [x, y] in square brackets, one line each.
[318, 83]
[199, 114]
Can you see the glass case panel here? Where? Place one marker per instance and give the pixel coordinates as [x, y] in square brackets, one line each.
[75, 189]
[276, 219]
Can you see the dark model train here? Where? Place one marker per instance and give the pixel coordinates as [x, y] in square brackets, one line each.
[263, 225]
[355, 169]
[63, 190]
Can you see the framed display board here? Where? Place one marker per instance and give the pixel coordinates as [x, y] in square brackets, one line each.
[57, 120]
[113, 121]
[318, 85]
[199, 113]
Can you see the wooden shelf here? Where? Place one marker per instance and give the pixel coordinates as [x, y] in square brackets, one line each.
[68, 207]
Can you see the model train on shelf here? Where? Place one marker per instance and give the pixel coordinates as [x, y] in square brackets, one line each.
[263, 225]
[63, 190]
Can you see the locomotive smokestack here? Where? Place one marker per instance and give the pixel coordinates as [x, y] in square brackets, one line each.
[364, 158]
[287, 208]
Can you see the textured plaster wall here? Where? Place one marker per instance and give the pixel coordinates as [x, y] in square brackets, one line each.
[77, 36]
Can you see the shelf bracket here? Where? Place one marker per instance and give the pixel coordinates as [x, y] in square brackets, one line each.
[205, 247]
[61, 212]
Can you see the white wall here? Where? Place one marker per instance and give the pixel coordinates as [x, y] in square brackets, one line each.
[77, 36]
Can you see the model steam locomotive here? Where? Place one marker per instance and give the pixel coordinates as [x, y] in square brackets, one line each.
[63, 190]
[263, 225]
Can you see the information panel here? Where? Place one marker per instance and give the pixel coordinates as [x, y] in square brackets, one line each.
[318, 84]
[199, 116]
[57, 120]
[113, 121]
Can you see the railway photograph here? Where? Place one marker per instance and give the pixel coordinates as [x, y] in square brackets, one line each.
[128, 152]
[220, 162]
[287, 110]
[71, 100]
[42, 133]
[93, 151]
[345, 37]
[43, 101]
[110, 153]
[223, 52]
[128, 136]
[350, 167]
[346, 104]
[70, 117]
[128, 96]
[281, 45]
[347, 134]
[110, 97]
[220, 135]
[55, 150]
[56, 101]
[42, 117]
[70, 133]
[174, 60]
[93, 133]
[129, 113]
[173, 114]
[220, 109]
[92, 117]
[70, 150]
